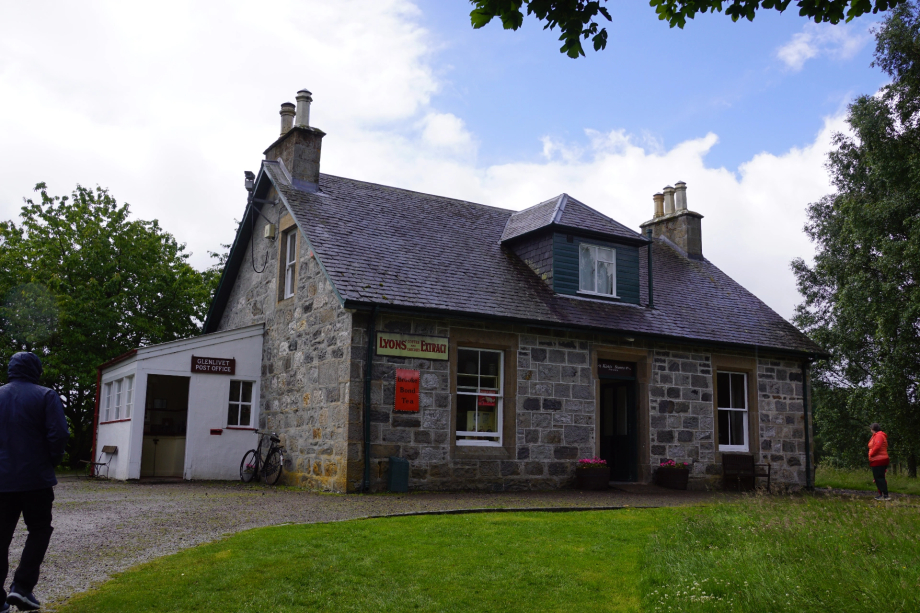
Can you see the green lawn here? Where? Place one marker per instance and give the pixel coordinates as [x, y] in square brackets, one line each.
[855, 479]
[759, 555]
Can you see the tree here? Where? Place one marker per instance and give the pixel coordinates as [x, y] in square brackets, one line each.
[578, 19]
[81, 283]
[862, 296]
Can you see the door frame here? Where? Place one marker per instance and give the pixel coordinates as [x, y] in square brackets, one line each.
[643, 360]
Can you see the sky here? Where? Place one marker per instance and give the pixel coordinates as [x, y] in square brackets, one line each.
[167, 104]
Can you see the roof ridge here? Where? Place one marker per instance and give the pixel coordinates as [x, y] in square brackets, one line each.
[560, 207]
[412, 191]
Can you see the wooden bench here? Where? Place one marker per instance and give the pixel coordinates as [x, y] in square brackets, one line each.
[93, 469]
[740, 472]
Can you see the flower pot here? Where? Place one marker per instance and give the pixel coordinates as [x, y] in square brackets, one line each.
[672, 478]
[592, 478]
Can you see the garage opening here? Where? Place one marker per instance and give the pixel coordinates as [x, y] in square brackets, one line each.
[165, 421]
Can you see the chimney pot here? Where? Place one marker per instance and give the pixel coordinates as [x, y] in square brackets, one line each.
[304, 98]
[680, 196]
[668, 200]
[287, 117]
[658, 199]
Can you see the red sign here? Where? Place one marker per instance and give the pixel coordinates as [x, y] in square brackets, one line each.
[214, 366]
[406, 390]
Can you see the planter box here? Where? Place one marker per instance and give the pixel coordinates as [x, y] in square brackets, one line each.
[672, 478]
[594, 478]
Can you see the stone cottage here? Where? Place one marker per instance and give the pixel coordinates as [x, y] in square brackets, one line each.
[492, 349]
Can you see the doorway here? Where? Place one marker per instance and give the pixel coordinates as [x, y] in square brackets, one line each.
[619, 429]
[165, 419]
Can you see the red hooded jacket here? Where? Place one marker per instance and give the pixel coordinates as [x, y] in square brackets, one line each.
[878, 449]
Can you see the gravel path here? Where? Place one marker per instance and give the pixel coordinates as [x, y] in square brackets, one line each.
[104, 527]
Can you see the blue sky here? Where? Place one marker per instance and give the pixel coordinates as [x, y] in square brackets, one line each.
[167, 104]
[667, 83]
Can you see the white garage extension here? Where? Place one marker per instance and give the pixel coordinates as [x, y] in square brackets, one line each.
[186, 409]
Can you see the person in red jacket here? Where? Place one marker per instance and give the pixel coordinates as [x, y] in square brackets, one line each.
[878, 460]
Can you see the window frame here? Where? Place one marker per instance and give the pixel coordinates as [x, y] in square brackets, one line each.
[239, 403]
[129, 396]
[746, 412]
[289, 262]
[498, 439]
[593, 247]
[108, 401]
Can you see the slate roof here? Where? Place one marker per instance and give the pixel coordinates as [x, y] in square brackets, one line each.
[388, 246]
[565, 212]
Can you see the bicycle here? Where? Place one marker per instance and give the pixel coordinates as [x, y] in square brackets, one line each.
[254, 466]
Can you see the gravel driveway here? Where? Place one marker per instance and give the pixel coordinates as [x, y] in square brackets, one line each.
[104, 527]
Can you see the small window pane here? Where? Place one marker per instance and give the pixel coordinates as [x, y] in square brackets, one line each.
[586, 269]
[467, 362]
[736, 425]
[604, 278]
[604, 254]
[467, 383]
[724, 429]
[232, 415]
[466, 412]
[234, 391]
[245, 411]
[723, 381]
[738, 399]
[247, 391]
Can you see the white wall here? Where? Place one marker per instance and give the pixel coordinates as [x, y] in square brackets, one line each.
[117, 433]
[207, 456]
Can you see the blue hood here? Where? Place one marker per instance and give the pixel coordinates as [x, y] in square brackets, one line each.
[25, 366]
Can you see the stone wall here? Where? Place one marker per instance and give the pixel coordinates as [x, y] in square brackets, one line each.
[305, 363]
[782, 419]
[681, 409]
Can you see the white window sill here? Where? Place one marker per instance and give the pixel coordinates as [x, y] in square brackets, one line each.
[464, 443]
[584, 293]
[733, 448]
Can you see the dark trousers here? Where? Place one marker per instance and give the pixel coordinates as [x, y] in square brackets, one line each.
[878, 473]
[35, 508]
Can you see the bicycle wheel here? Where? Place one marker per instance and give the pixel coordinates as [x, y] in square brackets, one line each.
[249, 466]
[271, 470]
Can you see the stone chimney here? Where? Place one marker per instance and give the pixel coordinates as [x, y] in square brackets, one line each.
[299, 145]
[673, 221]
[287, 117]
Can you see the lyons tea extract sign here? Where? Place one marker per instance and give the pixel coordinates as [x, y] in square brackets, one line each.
[412, 346]
[406, 390]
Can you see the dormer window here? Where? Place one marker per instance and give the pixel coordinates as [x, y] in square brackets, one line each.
[597, 270]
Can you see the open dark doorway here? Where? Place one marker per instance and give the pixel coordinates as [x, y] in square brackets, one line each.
[165, 419]
[619, 429]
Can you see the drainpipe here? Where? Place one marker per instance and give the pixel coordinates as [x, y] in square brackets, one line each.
[96, 418]
[808, 481]
[368, 369]
[651, 300]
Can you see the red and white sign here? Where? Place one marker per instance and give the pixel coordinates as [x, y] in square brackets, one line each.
[406, 390]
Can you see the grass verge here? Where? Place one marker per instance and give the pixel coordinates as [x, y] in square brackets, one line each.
[504, 562]
[787, 555]
[759, 555]
[856, 479]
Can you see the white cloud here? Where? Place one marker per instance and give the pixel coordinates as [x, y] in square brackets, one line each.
[841, 41]
[446, 131]
[170, 111]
